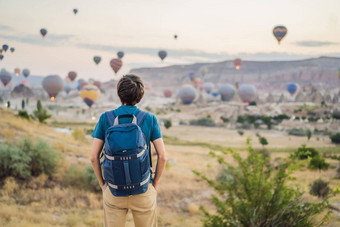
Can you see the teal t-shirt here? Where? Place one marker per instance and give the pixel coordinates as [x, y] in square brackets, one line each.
[150, 126]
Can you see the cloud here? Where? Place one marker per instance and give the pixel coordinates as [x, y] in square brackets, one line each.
[5, 27]
[50, 39]
[315, 43]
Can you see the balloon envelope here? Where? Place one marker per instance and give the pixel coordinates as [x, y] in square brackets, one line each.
[227, 92]
[175, 36]
[17, 71]
[292, 88]
[279, 32]
[5, 47]
[12, 49]
[116, 64]
[43, 32]
[97, 59]
[247, 92]
[26, 72]
[120, 54]
[237, 63]
[167, 93]
[75, 11]
[98, 84]
[1, 56]
[53, 84]
[67, 89]
[187, 94]
[72, 75]
[208, 87]
[90, 94]
[162, 54]
[5, 77]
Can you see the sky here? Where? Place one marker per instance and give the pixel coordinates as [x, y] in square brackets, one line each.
[208, 31]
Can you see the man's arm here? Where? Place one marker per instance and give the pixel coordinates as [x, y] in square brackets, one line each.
[97, 146]
[161, 160]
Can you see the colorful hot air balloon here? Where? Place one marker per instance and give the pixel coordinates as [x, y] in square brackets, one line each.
[237, 63]
[227, 92]
[67, 89]
[17, 71]
[208, 87]
[247, 92]
[167, 93]
[43, 32]
[12, 49]
[292, 88]
[53, 84]
[98, 84]
[5, 47]
[187, 94]
[162, 54]
[1, 56]
[116, 64]
[72, 75]
[26, 72]
[279, 32]
[175, 36]
[90, 94]
[75, 11]
[5, 77]
[120, 54]
[97, 59]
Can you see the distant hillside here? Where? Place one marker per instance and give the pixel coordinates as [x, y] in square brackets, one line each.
[270, 75]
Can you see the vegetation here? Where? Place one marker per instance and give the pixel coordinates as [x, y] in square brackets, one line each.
[304, 152]
[8, 104]
[23, 114]
[240, 132]
[318, 163]
[79, 135]
[319, 188]
[263, 141]
[22, 104]
[254, 194]
[297, 132]
[335, 138]
[252, 103]
[204, 121]
[40, 113]
[309, 134]
[167, 123]
[336, 115]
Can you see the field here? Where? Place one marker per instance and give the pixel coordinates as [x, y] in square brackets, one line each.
[40, 201]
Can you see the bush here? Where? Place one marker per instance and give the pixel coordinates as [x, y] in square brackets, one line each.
[309, 134]
[319, 163]
[224, 119]
[23, 114]
[297, 132]
[319, 188]
[335, 138]
[90, 179]
[79, 135]
[167, 123]
[74, 177]
[240, 132]
[254, 194]
[304, 152]
[263, 141]
[252, 103]
[40, 113]
[204, 121]
[336, 115]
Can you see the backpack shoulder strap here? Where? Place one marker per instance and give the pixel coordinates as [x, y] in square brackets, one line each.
[141, 117]
[110, 115]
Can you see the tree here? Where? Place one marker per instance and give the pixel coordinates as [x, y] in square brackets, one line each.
[309, 134]
[167, 123]
[319, 163]
[255, 194]
[8, 104]
[22, 104]
[319, 188]
[335, 138]
[263, 141]
[40, 113]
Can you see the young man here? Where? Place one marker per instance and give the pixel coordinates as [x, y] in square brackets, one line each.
[130, 90]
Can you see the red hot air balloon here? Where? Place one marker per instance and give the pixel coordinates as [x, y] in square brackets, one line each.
[72, 75]
[167, 93]
[116, 64]
[279, 32]
[43, 32]
[237, 63]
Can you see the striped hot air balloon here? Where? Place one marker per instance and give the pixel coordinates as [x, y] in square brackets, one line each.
[279, 32]
[116, 64]
[90, 94]
[5, 77]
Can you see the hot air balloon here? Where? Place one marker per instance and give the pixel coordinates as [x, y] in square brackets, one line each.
[162, 54]
[120, 54]
[1, 56]
[43, 32]
[208, 87]
[67, 80]
[247, 92]
[72, 75]
[237, 63]
[89, 94]
[5, 47]
[17, 71]
[75, 11]
[292, 88]
[26, 72]
[5, 77]
[203, 70]
[53, 84]
[116, 64]
[175, 36]
[279, 32]
[227, 92]
[167, 93]
[81, 85]
[98, 84]
[97, 59]
[12, 49]
[187, 94]
[67, 89]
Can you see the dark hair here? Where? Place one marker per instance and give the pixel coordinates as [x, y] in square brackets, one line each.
[130, 89]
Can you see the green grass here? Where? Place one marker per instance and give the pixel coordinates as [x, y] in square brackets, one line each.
[71, 123]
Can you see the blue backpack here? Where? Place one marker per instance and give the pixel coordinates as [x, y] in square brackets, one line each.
[126, 158]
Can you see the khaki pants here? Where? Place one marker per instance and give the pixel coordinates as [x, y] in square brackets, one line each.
[143, 208]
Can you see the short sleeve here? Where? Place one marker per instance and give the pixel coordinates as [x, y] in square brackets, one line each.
[155, 130]
[99, 131]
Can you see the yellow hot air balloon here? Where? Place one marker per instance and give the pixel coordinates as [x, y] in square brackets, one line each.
[90, 94]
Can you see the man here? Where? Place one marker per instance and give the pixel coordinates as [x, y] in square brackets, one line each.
[143, 206]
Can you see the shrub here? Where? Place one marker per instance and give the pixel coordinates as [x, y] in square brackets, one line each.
[297, 132]
[319, 188]
[40, 113]
[79, 135]
[335, 138]
[23, 114]
[304, 152]
[252, 103]
[240, 132]
[224, 119]
[263, 141]
[319, 163]
[90, 179]
[167, 123]
[336, 115]
[309, 134]
[204, 121]
[74, 177]
[338, 172]
[257, 195]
